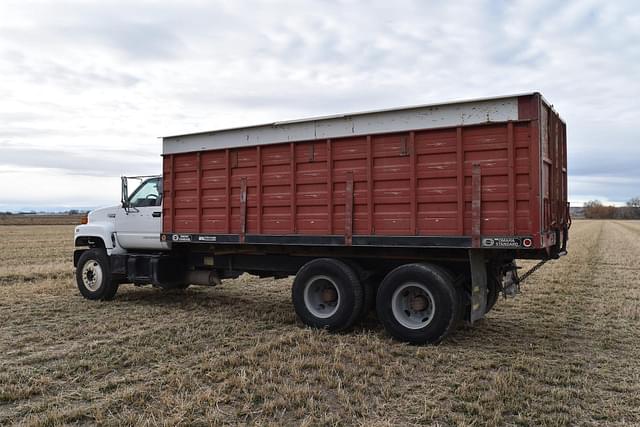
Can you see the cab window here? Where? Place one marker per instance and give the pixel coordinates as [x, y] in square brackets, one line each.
[148, 194]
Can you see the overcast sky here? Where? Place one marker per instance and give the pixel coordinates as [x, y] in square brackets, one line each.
[87, 87]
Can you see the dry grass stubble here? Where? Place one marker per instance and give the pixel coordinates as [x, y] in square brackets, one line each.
[563, 352]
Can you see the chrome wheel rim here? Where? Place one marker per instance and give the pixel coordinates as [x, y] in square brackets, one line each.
[92, 275]
[413, 305]
[322, 296]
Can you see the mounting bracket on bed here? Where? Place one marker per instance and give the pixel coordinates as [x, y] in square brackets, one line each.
[478, 284]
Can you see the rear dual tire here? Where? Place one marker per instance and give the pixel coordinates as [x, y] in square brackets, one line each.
[327, 294]
[419, 304]
[416, 303]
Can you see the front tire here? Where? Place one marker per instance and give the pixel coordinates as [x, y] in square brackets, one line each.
[327, 294]
[419, 304]
[93, 276]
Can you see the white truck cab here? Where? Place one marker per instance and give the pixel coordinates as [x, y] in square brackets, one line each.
[122, 244]
[134, 224]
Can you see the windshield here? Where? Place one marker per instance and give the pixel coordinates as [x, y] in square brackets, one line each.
[149, 193]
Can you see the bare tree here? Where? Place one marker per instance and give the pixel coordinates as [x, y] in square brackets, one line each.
[633, 207]
[594, 209]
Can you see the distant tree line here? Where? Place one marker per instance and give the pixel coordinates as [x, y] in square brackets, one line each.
[69, 212]
[595, 209]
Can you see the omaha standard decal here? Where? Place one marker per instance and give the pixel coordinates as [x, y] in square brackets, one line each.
[181, 237]
[207, 238]
[504, 242]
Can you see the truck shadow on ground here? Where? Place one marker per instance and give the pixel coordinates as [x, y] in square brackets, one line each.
[237, 306]
[273, 306]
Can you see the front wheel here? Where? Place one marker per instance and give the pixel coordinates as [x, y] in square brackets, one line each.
[419, 303]
[93, 276]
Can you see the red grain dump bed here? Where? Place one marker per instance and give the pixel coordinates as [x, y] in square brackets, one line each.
[488, 173]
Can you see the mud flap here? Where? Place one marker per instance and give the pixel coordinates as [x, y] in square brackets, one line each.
[478, 284]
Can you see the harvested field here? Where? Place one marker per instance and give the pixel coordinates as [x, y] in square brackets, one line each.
[19, 219]
[564, 352]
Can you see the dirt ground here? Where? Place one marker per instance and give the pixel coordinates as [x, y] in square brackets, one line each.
[565, 352]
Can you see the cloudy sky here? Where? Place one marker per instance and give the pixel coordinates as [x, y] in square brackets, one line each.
[86, 87]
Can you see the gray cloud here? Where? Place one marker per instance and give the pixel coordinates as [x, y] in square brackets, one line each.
[96, 162]
[53, 72]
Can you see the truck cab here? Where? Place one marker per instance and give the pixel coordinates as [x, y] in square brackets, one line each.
[122, 244]
[135, 224]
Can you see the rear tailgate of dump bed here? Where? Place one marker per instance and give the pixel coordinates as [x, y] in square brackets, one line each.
[553, 170]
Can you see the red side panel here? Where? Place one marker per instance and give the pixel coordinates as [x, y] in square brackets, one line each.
[404, 184]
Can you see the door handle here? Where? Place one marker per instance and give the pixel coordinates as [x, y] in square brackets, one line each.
[156, 214]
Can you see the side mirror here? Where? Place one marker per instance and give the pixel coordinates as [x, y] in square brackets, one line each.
[124, 197]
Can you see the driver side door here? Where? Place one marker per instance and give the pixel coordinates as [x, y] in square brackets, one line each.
[139, 226]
